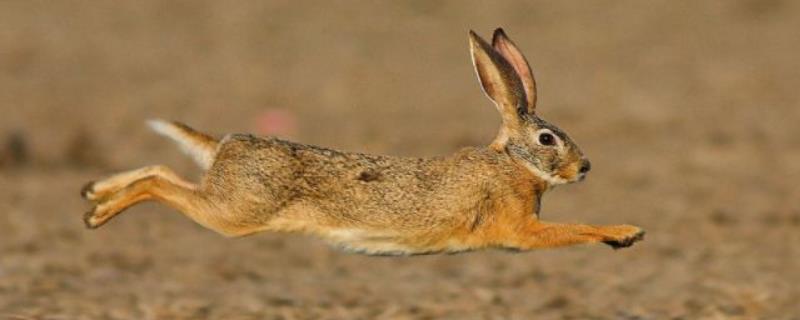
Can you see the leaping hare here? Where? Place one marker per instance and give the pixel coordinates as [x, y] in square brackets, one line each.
[481, 197]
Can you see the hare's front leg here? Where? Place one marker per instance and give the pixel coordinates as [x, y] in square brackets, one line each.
[119, 192]
[537, 234]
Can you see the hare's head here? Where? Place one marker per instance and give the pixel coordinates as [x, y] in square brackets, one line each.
[537, 145]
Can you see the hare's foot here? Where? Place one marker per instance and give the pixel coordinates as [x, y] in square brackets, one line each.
[111, 205]
[87, 192]
[94, 218]
[97, 191]
[622, 236]
[114, 194]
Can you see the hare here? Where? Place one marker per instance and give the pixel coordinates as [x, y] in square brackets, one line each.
[477, 198]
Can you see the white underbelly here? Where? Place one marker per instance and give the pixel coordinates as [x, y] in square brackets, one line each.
[367, 242]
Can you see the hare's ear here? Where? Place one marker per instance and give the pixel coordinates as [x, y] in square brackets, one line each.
[499, 80]
[509, 50]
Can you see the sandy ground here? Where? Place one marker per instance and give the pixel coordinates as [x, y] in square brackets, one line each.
[688, 110]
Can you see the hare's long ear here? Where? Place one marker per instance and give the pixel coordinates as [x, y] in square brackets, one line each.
[509, 50]
[499, 81]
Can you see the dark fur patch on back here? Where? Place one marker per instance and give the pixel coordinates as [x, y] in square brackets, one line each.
[368, 176]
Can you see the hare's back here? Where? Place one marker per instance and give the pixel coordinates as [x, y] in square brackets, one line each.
[277, 173]
[275, 169]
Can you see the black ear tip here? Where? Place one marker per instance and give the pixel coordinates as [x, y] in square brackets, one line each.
[474, 38]
[477, 41]
[499, 32]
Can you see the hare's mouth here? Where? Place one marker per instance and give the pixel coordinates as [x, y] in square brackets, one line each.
[574, 172]
[553, 179]
[574, 179]
[570, 178]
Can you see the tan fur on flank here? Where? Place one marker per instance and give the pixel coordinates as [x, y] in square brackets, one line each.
[482, 197]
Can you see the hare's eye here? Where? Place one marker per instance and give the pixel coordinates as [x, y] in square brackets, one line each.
[547, 139]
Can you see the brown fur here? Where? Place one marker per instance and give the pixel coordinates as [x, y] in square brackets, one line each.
[476, 198]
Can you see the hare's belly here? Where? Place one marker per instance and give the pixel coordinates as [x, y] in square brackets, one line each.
[367, 241]
[364, 239]
[388, 243]
[309, 220]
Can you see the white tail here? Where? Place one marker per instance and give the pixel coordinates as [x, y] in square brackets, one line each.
[201, 147]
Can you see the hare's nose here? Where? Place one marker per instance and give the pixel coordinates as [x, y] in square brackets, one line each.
[585, 166]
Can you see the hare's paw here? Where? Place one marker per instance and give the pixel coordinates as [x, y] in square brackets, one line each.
[96, 217]
[100, 214]
[89, 218]
[99, 191]
[102, 196]
[87, 192]
[623, 236]
[104, 206]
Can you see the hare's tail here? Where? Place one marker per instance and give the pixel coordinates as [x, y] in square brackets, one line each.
[202, 147]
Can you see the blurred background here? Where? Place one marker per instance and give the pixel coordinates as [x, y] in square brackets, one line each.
[687, 109]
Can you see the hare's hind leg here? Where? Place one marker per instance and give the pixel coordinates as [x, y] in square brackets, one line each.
[548, 235]
[119, 192]
[98, 190]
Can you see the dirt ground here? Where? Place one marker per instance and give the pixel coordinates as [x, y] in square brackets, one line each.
[689, 111]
